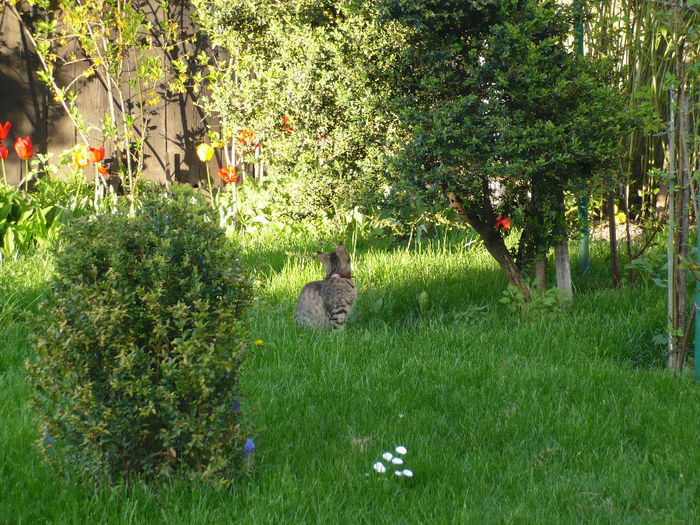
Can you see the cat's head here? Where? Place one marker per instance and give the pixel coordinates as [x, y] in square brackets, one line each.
[337, 262]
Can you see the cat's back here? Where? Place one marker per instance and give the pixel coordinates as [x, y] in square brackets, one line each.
[327, 302]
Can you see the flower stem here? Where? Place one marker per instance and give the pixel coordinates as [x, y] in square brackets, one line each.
[4, 173]
[211, 195]
[97, 188]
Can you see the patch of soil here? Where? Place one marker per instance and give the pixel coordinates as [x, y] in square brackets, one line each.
[602, 232]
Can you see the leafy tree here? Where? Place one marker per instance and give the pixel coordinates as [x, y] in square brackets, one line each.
[493, 93]
[446, 99]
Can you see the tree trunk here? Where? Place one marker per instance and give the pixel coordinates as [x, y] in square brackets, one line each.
[684, 211]
[494, 243]
[563, 268]
[541, 272]
[675, 363]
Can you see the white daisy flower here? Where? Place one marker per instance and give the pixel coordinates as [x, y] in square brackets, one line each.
[397, 461]
[387, 456]
[401, 450]
[379, 467]
[407, 473]
[398, 473]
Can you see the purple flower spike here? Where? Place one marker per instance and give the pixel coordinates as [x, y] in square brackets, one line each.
[236, 406]
[249, 447]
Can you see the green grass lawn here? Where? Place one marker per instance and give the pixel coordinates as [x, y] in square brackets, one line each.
[556, 417]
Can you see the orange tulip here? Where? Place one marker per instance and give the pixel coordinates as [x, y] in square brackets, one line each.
[24, 148]
[228, 174]
[97, 154]
[3, 152]
[102, 169]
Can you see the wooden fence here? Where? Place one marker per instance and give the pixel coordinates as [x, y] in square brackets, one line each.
[175, 125]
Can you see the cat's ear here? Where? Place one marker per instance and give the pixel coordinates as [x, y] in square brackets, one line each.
[341, 248]
[325, 260]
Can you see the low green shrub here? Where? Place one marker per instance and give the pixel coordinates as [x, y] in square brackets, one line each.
[547, 300]
[140, 343]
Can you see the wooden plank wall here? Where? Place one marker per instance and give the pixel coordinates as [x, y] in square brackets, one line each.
[23, 98]
[175, 126]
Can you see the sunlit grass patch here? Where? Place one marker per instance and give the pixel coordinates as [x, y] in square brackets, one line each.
[560, 417]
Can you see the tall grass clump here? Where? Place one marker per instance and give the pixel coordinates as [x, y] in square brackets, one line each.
[139, 343]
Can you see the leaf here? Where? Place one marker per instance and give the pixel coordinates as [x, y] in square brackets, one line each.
[5, 210]
[661, 283]
[8, 242]
[660, 339]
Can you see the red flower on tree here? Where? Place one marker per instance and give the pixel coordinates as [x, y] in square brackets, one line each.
[5, 130]
[228, 174]
[503, 223]
[24, 148]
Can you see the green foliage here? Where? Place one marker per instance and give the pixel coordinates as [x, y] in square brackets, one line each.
[140, 342]
[312, 103]
[495, 99]
[391, 105]
[546, 300]
[25, 222]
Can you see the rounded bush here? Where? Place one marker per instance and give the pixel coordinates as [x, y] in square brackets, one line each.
[139, 345]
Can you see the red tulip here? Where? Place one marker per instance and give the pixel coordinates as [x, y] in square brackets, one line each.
[3, 152]
[502, 223]
[24, 148]
[5, 130]
[228, 174]
[97, 154]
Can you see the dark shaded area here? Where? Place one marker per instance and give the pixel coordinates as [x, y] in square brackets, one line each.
[23, 100]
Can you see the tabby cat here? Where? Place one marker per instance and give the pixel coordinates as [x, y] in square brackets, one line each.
[328, 303]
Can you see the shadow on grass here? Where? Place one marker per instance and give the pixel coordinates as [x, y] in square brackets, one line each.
[402, 289]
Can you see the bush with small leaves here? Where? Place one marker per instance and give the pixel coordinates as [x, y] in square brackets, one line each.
[140, 343]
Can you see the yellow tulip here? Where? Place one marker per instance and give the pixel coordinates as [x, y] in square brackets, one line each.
[205, 152]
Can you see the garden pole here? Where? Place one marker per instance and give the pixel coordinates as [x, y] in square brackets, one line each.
[697, 302]
[584, 262]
